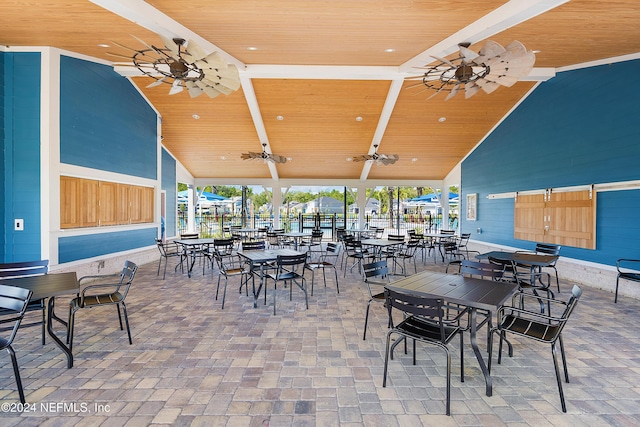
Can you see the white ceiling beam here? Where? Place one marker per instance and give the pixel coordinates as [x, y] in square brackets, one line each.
[143, 14]
[258, 123]
[506, 16]
[385, 116]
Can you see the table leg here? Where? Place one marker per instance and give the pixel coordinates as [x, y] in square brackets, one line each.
[256, 294]
[474, 344]
[63, 347]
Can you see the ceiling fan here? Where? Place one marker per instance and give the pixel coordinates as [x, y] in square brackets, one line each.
[488, 69]
[383, 159]
[183, 65]
[264, 156]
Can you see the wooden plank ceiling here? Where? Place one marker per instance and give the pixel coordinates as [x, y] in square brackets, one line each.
[323, 68]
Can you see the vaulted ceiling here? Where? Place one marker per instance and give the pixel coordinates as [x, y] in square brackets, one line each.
[323, 81]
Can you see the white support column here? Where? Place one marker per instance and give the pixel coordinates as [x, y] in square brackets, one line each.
[361, 200]
[191, 209]
[444, 202]
[276, 203]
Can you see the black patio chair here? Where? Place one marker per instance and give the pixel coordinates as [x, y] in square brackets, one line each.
[168, 250]
[231, 265]
[15, 270]
[13, 304]
[424, 321]
[290, 269]
[327, 260]
[628, 269]
[376, 276]
[103, 294]
[536, 326]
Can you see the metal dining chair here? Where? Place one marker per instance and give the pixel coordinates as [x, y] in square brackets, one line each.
[13, 303]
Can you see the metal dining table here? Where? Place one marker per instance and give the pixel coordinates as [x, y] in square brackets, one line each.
[530, 259]
[258, 260]
[380, 244]
[190, 248]
[49, 286]
[297, 237]
[470, 292]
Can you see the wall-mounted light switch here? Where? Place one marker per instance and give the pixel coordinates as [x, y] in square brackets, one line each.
[18, 224]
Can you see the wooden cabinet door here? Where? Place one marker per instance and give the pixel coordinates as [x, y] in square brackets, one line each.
[528, 222]
[570, 219]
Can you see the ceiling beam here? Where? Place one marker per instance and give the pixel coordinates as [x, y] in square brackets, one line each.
[143, 14]
[506, 16]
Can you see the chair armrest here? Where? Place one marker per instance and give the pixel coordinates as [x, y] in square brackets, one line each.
[97, 276]
[529, 315]
[624, 265]
[99, 286]
[520, 297]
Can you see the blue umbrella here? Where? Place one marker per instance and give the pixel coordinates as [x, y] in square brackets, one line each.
[431, 198]
[205, 196]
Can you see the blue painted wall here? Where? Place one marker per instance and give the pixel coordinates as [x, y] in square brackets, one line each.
[169, 185]
[104, 122]
[3, 222]
[74, 248]
[578, 128]
[106, 125]
[21, 155]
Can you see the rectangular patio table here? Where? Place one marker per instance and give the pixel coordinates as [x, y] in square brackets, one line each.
[522, 258]
[380, 244]
[49, 286]
[297, 237]
[192, 246]
[261, 258]
[456, 289]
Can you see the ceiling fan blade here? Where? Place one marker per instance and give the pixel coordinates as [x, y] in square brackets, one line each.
[212, 61]
[467, 54]
[193, 52]
[125, 47]
[470, 89]
[176, 87]
[209, 90]
[117, 55]
[217, 86]
[453, 92]
[171, 45]
[489, 51]
[143, 42]
[194, 90]
[278, 159]
[445, 61]
[158, 82]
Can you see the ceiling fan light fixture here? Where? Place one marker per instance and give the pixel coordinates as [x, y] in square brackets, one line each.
[265, 156]
[493, 66]
[181, 64]
[381, 159]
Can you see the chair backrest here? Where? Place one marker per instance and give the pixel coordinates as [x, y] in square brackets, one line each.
[481, 269]
[126, 277]
[332, 249]
[396, 237]
[186, 236]
[448, 232]
[378, 270]
[13, 305]
[24, 269]
[316, 235]
[253, 245]
[548, 249]
[464, 239]
[416, 306]
[223, 246]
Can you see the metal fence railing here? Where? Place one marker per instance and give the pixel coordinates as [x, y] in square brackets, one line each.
[210, 225]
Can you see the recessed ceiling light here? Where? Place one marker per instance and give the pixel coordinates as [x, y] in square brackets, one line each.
[103, 45]
[279, 118]
[289, 158]
[252, 48]
[389, 50]
[415, 159]
[223, 158]
[195, 116]
[358, 119]
[349, 159]
[442, 119]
